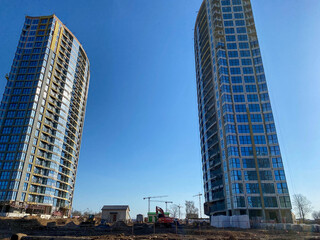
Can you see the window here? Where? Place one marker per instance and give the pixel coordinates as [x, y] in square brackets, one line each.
[237, 188]
[245, 140]
[5, 175]
[261, 78]
[226, 98]
[264, 163]
[243, 45]
[12, 147]
[266, 176]
[263, 87]
[254, 202]
[238, 15]
[260, 139]
[274, 150]
[285, 202]
[232, 139]
[236, 79]
[3, 185]
[236, 175]
[240, 22]
[225, 2]
[261, 151]
[266, 107]
[237, 89]
[270, 202]
[259, 69]
[231, 46]
[257, 60]
[243, 129]
[256, 52]
[279, 175]
[230, 128]
[246, 151]
[246, 61]
[242, 118]
[229, 30]
[252, 187]
[248, 163]
[235, 71]
[234, 62]
[225, 88]
[282, 188]
[233, 54]
[267, 188]
[238, 98]
[240, 108]
[247, 70]
[228, 23]
[227, 16]
[254, 107]
[229, 118]
[277, 162]
[252, 98]
[222, 61]
[237, 9]
[227, 108]
[233, 151]
[234, 163]
[268, 117]
[270, 128]
[251, 88]
[236, 2]
[226, 9]
[256, 118]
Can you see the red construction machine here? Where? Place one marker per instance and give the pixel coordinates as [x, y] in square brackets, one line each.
[162, 219]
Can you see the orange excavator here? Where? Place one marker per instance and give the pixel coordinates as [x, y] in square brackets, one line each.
[162, 219]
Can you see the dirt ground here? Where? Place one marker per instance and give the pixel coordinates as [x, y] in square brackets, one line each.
[65, 229]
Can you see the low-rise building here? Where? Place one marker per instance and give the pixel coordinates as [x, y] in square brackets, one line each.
[114, 213]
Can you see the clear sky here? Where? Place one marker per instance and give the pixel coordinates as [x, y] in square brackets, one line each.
[141, 134]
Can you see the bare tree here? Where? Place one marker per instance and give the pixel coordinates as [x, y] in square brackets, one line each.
[190, 208]
[76, 213]
[301, 205]
[174, 210]
[316, 215]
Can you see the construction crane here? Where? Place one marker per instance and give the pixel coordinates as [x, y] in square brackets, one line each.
[166, 202]
[199, 195]
[150, 198]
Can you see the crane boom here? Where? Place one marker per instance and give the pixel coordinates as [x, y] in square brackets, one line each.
[152, 197]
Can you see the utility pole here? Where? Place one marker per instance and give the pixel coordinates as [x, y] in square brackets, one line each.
[199, 195]
[179, 206]
[166, 202]
[152, 197]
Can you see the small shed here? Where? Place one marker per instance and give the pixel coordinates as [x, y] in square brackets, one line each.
[114, 213]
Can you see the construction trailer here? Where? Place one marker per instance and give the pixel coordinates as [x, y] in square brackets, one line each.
[114, 213]
[152, 216]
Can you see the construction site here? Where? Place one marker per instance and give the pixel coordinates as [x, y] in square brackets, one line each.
[37, 228]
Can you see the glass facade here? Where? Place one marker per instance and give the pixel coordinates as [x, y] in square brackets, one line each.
[42, 115]
[241, 160]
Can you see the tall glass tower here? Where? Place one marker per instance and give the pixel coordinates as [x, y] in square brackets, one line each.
[42, 115]
[242, 167]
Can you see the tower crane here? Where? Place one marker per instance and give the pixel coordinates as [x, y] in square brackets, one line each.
[166, 202]
[152, 197]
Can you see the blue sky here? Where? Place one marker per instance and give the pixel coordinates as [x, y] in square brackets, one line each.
[141, 133]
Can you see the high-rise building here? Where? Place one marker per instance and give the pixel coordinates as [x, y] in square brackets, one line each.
[42, 117]
[243, 172]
